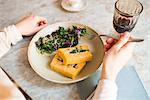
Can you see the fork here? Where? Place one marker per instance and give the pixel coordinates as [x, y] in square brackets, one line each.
[93, 36]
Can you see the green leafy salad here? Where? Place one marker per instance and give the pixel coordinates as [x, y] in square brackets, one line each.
[60, 38]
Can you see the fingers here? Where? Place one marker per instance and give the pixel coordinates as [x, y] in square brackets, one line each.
[38, 19]
[122, 41]
[42, 25]
[107, 47]
[110, 40]
[41, 22]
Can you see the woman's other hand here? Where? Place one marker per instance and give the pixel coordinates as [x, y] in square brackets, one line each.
[31, 24]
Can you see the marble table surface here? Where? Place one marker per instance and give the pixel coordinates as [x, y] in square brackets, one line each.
[98, 14]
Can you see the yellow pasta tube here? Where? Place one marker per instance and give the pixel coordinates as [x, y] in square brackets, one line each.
[75, 55]
[67, 70]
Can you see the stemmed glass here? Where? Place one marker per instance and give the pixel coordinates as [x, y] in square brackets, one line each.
[126, 15]
[125, 18]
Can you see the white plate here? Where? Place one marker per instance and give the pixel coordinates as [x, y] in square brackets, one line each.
[40, 63]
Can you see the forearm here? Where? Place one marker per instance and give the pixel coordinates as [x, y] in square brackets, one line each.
[108, 73]
[9, 36]
[106, 90]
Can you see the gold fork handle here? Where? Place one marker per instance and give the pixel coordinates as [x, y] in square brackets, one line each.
[131, 40]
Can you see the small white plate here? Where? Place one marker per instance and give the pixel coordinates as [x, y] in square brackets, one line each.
[40, 63]
[81, 7]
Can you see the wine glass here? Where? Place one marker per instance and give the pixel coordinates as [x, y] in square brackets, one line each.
[126, 15]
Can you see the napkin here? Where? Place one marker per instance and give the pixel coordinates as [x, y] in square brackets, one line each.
[129, 85]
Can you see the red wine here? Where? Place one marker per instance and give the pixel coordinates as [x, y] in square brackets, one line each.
[123, 25]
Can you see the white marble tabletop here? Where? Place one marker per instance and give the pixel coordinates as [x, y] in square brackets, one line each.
[98, 14]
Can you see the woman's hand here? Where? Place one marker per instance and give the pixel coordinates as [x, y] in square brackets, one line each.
[31, 24]
[116, 56]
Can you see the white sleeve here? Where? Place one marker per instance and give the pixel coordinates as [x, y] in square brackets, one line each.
[106, 90]
[9, 36]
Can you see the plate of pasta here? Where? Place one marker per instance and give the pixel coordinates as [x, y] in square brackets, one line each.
[61, 53]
